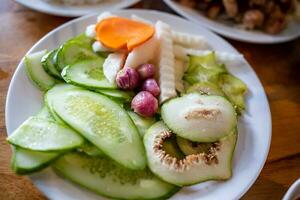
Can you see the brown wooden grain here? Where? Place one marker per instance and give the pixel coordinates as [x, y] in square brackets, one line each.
[277, 66]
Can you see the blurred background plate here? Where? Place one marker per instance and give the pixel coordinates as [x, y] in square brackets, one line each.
[254, 125]
[231, 30]
[54, 8]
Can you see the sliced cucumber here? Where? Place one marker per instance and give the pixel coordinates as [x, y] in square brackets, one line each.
[206, 88]
[142, 123]
[39, 134]
[74, 50]
[87, 73]
[118, 94]
[199, 118]
[49, 65]
[45, 114]
[90, 149]
[212, 165]
[235, 90]
[36, 72]
[51, 95]
[26, 161]
[84, 40]
[101, 175]
[104, 123]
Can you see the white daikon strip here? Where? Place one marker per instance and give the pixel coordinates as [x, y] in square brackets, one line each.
[104, 15]
[142, 53]
[179, 71]
[180, 52]
[229, 59]
[189, 41]
[166, 62]
[90, 31]
[112, 64]
[140, 19]
[99, 47]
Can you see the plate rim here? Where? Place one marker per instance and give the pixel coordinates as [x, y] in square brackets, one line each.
[64, 14]
[268, 111]
[182, 13]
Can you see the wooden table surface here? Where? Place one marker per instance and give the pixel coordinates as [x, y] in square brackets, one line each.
[278, 67]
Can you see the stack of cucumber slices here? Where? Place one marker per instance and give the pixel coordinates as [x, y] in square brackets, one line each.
[88, 134]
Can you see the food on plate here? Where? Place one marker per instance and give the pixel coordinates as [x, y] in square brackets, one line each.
[214, 164]
[133, 110]
[112, 64]
[122, 33]
[144, 104]
[188, 147]
[151, 86]
[36, 72]
[102, 122]
[270, 16]
[199, 118]
[101, 175]
[127, 78]
[142, 123]
[38, 134]
[166, 62]
[146, 71]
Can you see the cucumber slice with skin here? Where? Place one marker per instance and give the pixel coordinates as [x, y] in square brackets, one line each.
[90, 149]
[192, 169]
[142, 123]
[102, 122]
[39, 134]
[49, 65]
[45, 114]
[51, 95]
[199, 118]
[36, 72]
[118, 94]
[73, 51]
[26, 161]
[103, 176]
[87, 73]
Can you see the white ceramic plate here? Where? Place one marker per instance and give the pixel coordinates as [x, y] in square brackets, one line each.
[75, 11]
[232, 31]
[24, 100]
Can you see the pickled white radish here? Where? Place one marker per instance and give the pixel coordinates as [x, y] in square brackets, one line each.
[99, 47]
[112, 64]
[180, 52]
[142, 53]
[90, 31]
[229, 59]
[166, 62]
[189, 41]
[179, 71]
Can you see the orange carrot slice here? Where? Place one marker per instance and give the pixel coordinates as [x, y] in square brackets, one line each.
[120, 33]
